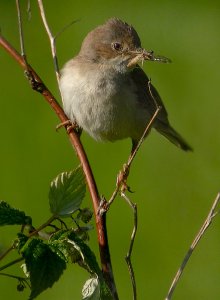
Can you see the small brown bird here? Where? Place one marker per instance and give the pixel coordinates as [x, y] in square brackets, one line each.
[107, 93]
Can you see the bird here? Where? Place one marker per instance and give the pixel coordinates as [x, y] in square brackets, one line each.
[107, 93]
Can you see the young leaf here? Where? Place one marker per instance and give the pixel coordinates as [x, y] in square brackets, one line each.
[95, 288]
[85, 215]
[43, 264]
[66, 193]
[63, 248]
[21, 241]
[88, 259]
[91, 289]
[69, 244]
[12, 216]
[73, 248]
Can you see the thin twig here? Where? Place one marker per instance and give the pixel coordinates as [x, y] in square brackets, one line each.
[19, 278]
[122, 175]
[6, 252]
[148, 127]
[47, 223]
[20, 28]
[29, 9]
[128, 255]
[75, 141]
[146, 131]
[51, 39]
[12, 247]
[151, 94]
[21, 36]
[65, 27]
[11, 263]
[13, 276]
[208, 221]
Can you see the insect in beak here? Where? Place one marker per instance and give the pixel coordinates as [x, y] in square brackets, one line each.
[140, 55]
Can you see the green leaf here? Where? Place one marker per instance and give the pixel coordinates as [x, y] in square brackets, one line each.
[61, 249]
[43, 264]
[21, 241]
[88, 259]
[58, 242]
[85, 215]
[73, 248]
[66, 193]
[63, 246]
[12, 216]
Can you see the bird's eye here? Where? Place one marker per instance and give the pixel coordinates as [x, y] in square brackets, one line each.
[117, 46]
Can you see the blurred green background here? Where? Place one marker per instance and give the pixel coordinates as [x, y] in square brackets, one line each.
[174, 190]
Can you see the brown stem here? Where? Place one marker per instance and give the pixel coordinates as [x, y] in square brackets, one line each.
[75, 141]
[6, 252]
[11, 263]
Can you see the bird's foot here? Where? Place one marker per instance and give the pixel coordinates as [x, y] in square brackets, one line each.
[121, 187]
[69, 125]
[122, 179]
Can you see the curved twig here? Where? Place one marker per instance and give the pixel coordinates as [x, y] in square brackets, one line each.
[123, 174]
[75, 141]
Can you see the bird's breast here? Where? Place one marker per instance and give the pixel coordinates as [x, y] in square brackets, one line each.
[103, 103]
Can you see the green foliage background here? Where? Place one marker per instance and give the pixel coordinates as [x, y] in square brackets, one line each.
[174, 190]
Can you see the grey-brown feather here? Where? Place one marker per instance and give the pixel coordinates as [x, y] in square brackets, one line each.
[147, 92]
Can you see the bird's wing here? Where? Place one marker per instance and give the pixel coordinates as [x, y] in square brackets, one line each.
[148, 95]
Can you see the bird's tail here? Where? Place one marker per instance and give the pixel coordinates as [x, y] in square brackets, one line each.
[173, 136]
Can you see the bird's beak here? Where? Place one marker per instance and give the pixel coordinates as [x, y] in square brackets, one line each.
[140, 55]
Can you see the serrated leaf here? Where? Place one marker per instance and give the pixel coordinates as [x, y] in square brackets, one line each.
[59, 242]
[44, 266]
[12, 216]
[91, 289]
[74, 248]
[59, 235]
[88, 257]
[21, 241]
[61, 249]
[69, 243]
[66, 193]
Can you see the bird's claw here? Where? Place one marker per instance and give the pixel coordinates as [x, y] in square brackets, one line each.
[122, 179]
[69, 125]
